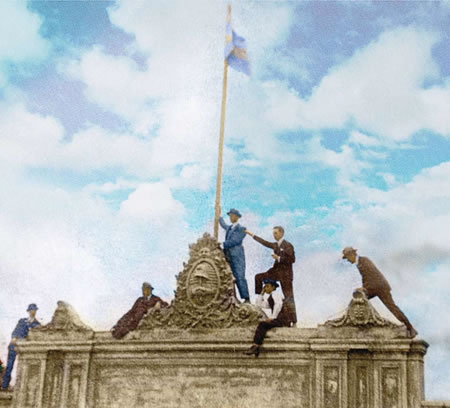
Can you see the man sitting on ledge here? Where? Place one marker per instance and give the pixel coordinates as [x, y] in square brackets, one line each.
[272, 303]
[375, 284]
[130, 320]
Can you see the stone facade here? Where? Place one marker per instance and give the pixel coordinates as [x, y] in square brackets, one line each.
[307, 368]
[191, 355]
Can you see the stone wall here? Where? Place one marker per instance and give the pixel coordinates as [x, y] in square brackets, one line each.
[6, 399]
[309, 368]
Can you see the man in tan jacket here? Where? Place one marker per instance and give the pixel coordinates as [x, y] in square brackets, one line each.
[375, 284]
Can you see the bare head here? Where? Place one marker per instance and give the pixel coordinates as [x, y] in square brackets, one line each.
[278, 232]
[349, 254]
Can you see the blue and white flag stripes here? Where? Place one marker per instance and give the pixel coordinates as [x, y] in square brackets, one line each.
[235, 51]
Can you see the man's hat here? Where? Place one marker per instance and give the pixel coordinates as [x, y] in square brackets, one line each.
[234, 211]
[272, 282]
[32, 306]
[147, 285]
[348, 250]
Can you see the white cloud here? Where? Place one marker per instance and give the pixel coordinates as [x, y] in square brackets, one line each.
[380, 89]
[27, 138]
[21, 40]
[152, 202]
[362, 139]
[19, 30]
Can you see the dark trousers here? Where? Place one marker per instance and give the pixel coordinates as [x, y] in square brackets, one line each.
[286, 286]
[10, 365]
[388, 301]
[263, 328]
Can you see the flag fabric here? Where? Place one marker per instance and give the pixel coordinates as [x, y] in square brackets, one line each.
[236, 51]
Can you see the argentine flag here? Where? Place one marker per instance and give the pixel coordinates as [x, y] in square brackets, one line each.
[235, 51]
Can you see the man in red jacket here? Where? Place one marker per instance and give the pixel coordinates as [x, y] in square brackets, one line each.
[375, 284]
[130, 320]
[284, 256]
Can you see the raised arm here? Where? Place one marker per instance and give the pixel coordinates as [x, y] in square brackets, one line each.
[222, 223]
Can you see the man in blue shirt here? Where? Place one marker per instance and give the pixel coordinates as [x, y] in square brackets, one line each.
[20, 332]
[234, 251]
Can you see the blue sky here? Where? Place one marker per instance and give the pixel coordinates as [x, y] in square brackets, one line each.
[109, 121]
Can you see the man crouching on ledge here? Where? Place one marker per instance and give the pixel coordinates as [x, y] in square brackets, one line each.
[272, 303]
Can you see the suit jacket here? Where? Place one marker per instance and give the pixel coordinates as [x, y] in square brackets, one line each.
[286, 253]
[372, 279]
[130, 320]
[232, 246]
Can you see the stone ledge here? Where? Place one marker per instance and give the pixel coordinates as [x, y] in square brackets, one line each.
[6, 399]
[435, 404]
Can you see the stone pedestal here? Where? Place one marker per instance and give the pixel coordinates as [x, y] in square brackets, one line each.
[309, 368]
[190, 355]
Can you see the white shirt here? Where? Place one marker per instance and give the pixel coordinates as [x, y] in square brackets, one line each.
[279, 242]
[263, 302]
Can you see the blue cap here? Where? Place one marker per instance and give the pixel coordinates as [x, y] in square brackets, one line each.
[234, 211]
[272, 282]
[32, 306]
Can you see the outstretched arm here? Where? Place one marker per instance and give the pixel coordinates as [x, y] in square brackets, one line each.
[267, 244]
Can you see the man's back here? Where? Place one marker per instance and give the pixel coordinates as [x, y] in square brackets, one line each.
[373, 280]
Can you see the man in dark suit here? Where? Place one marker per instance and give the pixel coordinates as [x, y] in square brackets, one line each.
[284, 257]
[375, 284]
[277, 315]
[130, 320]
[234, 251]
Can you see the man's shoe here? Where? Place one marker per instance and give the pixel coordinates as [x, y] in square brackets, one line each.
[247, 301]
[254, 349]
[412, 332]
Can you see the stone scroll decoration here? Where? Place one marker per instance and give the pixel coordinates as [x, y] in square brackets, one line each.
[205, 294]
[65, 320]
[360, 313]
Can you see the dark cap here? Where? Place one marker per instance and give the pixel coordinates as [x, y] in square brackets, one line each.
[32, 306]
[272, 282]
[235, 212]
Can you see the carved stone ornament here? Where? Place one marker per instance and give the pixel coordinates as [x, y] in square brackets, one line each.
[65, 319]
[360, 313]
[205, 294]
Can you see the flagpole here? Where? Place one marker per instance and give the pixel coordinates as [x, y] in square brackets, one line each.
[221, 141]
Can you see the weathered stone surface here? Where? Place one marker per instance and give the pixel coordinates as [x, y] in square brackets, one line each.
[6, 399]
[171, 368]
[65, 323]
[360, 313]
[205, 294]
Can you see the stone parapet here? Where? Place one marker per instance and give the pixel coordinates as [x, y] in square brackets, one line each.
[308, 368]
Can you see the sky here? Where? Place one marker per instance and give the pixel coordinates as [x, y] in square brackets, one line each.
[109, 127]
